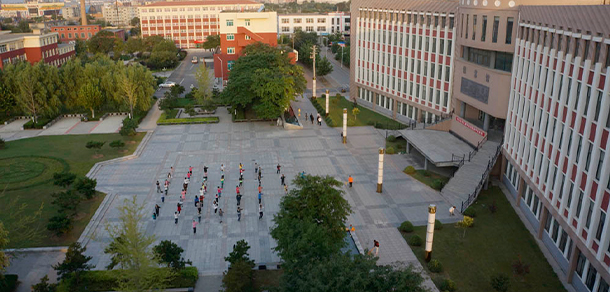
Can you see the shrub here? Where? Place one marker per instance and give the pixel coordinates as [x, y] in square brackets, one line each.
[107, 280]
[470, 212]
[448, 285]
[63, 179]
[390, 150]
[500, 282]
[9, 282]
[406, 226]
[44, 285]
[410, 170]
[2, 143]
[391, 138]
[129, 127]
[426, 173]
[437, 184]
[415, 240]
[435, 266]
[520, 269]
[60, 224]
[96, 145]
[190, 110]
[438, 225]
[117, 144]
[86, 187]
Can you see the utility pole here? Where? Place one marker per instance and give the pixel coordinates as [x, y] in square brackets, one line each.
[341, 57]
[313, 56]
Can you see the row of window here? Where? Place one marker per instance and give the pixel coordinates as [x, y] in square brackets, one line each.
[403, 109]
[160, 24]
[414, 17]
[465, 29]
[502, 61]
[76, 35]
[73, 28]
[310, 20]
[213, 8]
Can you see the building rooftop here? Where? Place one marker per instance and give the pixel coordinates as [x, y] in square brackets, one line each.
[199, 3]
[11, 36]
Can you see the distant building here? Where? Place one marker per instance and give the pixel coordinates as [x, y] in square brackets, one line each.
[322, 24]
[33, 48]
[118, 33]
[73, 32]
[71, 13]
[33, 9]
[239, 29]
[124, 16]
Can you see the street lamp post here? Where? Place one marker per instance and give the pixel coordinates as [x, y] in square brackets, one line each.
[313, 56]
[341, 56]
[344, 126]
[222, 74]
[380, 170]
[430, 232]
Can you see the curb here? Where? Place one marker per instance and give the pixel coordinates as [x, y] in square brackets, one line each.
[38, 249]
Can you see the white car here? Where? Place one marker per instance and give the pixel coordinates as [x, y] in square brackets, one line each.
[167, 84]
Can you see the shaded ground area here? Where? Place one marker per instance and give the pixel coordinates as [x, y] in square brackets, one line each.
[489, 248]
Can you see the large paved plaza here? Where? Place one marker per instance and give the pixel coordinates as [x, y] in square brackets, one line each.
[315, 150]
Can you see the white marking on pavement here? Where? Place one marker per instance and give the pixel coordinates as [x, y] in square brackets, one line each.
[181, 81]
[191, 67]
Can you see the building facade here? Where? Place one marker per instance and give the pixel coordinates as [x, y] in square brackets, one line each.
[557, 155]
[34, 48]
[322, 24]
[71, 12]
[188, 23]
[121, 16]
[31, 9]
[69, 33]
[402, 57]
[239, 29]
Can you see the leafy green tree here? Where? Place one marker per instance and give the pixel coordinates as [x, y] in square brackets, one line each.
[102, 42]
[116, 257]
[134, 45]
[74, 264]
[95, 145]
[304, 39]
[63, 179]
[7, 95]
[36, 88]
[44, 285]
[240, 254]
[135, 21]
[274, 89]
[67, 201]
[72, 76]
[170, 254]
[204, 84]
[323, 66]
[86, 187]
[212, 42]
[117, 144]
[4, 259]
[90, 97]
[118, 48]
[136, 85]
[240, 278]
[80, 47]
[22, 223]
[60, 224]
[310, 224]
[131, 242]
[22, 27]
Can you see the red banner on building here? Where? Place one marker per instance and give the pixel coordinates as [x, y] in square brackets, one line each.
[470, 126]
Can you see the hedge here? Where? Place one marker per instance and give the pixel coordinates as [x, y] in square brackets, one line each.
[9, 283]
[188, 121]
[107, 280]
[41, 123]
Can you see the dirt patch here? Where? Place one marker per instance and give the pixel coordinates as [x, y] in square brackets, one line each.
[130, 142]
[123, 151]
[97, 156]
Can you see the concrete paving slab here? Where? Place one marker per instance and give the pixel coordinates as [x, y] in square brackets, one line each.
[82, 128]
[436, 146]
[32, 266]
[62, 127]
[13, 126]
[111, 124]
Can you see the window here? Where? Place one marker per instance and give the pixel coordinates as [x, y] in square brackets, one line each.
[509, 30]
[589, 214]
[600, 225]
[297, 20]
[466, 28]
[480, 57]
[484, 28]
[591, 275]
[504, 61]
[285, 20]
[494, 32]
[588, 161]
[230, 65]
[579, 205]
[309, 28]
[229, 22]
[321, 28]
[231, 50]
[603, 286]
[598, 105]
[474, 27]
[321, 20]
[580, 264]
[230, 37]
[600, 162]
[308, 20]
[247, 22]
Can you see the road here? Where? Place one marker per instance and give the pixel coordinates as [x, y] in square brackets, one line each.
[184, 74]
[338, 78]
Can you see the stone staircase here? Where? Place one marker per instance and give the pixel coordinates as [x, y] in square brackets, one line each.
[469, 179]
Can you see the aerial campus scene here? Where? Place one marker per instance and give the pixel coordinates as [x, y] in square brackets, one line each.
[323, 145]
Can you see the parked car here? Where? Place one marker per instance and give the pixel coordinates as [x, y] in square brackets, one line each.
[194, 61]
[167, 84]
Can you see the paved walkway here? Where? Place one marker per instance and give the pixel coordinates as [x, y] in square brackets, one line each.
[65, 126]
[468, 176]
[32, 266]
[149, 123]
[437, 146]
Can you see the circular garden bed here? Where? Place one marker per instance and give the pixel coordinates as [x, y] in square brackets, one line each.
[26, 171]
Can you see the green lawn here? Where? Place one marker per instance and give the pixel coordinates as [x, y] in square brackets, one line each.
[490, 247]
[182, 102]
[428, 177]
[366, 117]
[26, 170]
[399, 145]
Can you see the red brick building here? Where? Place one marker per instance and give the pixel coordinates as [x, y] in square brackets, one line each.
[33, 48]
[73, 32]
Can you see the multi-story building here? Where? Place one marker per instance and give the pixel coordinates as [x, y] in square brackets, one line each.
[557, 155]
[73, 32]
[33, 48]
[121, 15]
[71, 12]
[402, 57]
[534, 77]
[188, 23]
[31, 9]
[239, 29]
[322, 24]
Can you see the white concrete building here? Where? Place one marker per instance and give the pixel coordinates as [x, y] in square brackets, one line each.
[322, 24]
[125, 14]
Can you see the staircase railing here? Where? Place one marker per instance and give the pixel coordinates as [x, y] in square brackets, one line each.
[490, 164]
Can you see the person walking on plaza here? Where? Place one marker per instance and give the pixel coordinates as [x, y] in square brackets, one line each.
[154, 216]
[452, 211]
[255, 168]
[157, 209]
[222, 168]
[219, 191]
[286, 189]
[175, 217]
[237, 190]
[215, 205]
[158, 187]
[311, 118]
[179, 208]
[241, 180]
[238, 214]
[222, 181]
[220, 213]
[350, 179]
[196, 200]
[190, 169]
[260, 196]
[282, 179]
[260, 189]
[241, 166]
[199, 213]
[278, 168]
[260, 211]
[238, 198]
[183, 195]
[194, 227]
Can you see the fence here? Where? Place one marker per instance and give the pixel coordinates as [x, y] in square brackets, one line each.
[473, 196]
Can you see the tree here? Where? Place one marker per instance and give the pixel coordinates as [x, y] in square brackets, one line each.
[131, 242]
[170, 254]
[4, 259]
[36, 88]
[310, 224]
[102, 42]
[116, 257]
[204, 84]
[90, 97]
[358, 273]
[275, 90]
[355, 112]
[60, 223]
[240, 254]
[500, 282]
[323, 66]
[80, 47]
[63, 179]
[118, 48]
[22, 223]
[66, 201]
[7, 95]
[134, 45]
[44, 285]
[86, 187]
[135, 21]
[136, 85]
[96, 145]
[240, 277]
[212, 42]
[465, 223]
[117, 144]
[74, 264]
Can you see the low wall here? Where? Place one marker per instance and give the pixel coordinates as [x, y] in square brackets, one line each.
[467, 131]
[444, 126]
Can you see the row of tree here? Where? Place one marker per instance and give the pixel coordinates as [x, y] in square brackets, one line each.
[264, 80]
[45, 90]
[304, 43]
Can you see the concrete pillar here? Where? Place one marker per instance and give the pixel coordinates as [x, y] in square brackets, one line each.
[486, 184]
[425, 163]
[313, 93]
[463, 110]
[520, 191]
[419, 116]
[572, 263]
[380, 170]
[83, 12]
[486, 123]
[430, 232]
[394, 109]
[408, 148]
[327, 102]
[344, 126]
[545, 215]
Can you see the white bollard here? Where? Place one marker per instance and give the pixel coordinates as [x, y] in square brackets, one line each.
[327, 102]
[344, 126]
[430, 232]
[380, 170]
